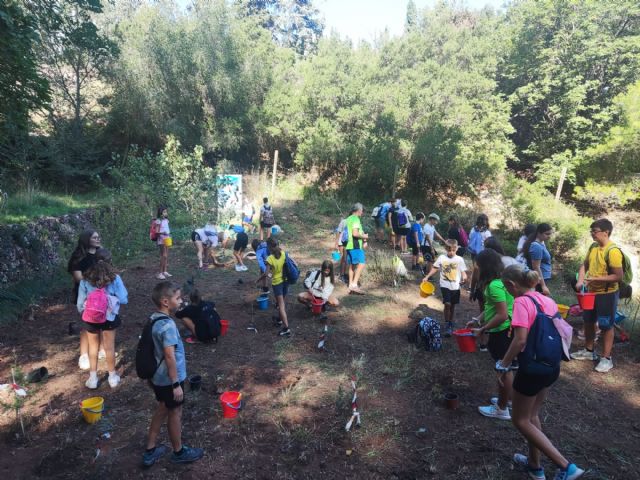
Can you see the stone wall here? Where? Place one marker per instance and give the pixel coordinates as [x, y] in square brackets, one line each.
[38, 248]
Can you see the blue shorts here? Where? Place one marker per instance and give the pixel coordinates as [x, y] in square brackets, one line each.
[281, 289]
[604, 310]
[247, 219]
[380, 223]
[355, 257]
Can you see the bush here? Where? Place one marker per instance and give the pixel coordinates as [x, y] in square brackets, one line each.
[607, 195]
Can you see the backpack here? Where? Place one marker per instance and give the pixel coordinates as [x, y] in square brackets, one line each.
[624, 285]
[402, 219]
[267, 216]
[96, 306]
[464, 238]
[308, 283]
[154, 231]
[426, 332]
[475, 245]
[290, 270]
[146, 364]
[376, 212]
[210, 328]
[543, 352]
[344, 238]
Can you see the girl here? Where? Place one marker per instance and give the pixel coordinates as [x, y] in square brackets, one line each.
[498, 307]
[162, 226]
[454, 234]
[494, 244]
[341, 234]
[205, 238]
[275, 262]
[102, 275]
[239, 246]
[528, 230]
[83, 258]
[530, 390]
[538, 257]
[478, 235]
[319, 285]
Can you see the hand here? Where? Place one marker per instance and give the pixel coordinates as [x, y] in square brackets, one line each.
[178, 394]
[580, 285]
[545, 291]
[425, 279]
[472, 323]
[365, 236]
[477, 331]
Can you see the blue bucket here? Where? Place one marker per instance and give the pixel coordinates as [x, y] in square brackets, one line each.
[263, 302]
[335, 255]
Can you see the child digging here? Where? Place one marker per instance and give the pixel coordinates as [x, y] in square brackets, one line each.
[452, 273]
[168, 380]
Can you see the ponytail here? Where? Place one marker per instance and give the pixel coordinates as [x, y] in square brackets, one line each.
[521, 277]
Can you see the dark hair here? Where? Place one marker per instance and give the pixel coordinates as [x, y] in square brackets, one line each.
[454, 219]
[419, 216]
[255, 243]
[194, 297]
[100, 274]
[265, 200]
[274, 248]
[482, 222]
[529, 228]
[603, 224]
[327, 264]
[541, 228]
[104, 255]
[161, 208]
[494, 244]
[403, 202]
[490, 267]
[162, 290]
[81, 250]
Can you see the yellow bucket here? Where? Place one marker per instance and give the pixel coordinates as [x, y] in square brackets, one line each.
[168, 241]
[563, 309]
[92, 409]
[427, 289]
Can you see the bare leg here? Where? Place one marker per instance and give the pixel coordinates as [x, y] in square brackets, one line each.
[84, 343]
[282, 310]
[607, 342]
[159, 417]
[94, 344]
[109, 345]
[357, 273]
[304, 298]
[589, 335]
[504, 390]
[200, 252]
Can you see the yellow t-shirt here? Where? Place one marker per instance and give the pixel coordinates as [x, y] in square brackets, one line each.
[599, 268]
[277, 265]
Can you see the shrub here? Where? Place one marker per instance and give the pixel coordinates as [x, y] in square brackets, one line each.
[608, 195]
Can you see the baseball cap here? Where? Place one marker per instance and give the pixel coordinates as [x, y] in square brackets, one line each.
[434, 216]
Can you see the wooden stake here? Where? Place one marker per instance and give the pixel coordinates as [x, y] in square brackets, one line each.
[560, 183]
[273, 177]
[395, 179]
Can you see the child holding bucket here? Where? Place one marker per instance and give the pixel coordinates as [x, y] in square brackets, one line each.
[319, 285]
[275, 263]
[498, 308]
[168, 380]
[164, 241]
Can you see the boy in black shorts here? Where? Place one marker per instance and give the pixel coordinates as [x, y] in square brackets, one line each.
[239, 246]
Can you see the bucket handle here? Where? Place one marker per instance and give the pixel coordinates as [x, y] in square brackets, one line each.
[91, 410]
[239, 407]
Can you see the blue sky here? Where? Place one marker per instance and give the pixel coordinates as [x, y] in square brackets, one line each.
[363, 19]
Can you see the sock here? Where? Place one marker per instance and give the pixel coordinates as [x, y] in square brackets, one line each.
[93, 375]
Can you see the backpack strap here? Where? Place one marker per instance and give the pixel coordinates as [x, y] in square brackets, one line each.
[535, 302]
[153, 322]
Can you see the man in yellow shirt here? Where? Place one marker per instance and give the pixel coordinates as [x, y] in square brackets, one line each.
[600, 272]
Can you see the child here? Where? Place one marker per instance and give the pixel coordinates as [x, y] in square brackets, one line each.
[239, 246]
[196, 318]
[319, 284]
[479, 233]
[381, 220]
[102, 275]
[341, 241]
[204, 239]
[267, 219]
[247, 216]
[452, 273]
[430, 235]
[262, 253]
[168, 381]
[415, 239]
[275, 262]
[404, 225]
[529, 229]
[162, 227]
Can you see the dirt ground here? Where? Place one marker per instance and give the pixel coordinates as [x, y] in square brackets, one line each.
[297, 398]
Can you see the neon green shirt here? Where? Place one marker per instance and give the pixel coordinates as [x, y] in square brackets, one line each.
[495, 293]
[277, 265]
[353, 221]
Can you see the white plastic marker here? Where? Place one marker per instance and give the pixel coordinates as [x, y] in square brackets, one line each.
[323, 337]
[354, 408]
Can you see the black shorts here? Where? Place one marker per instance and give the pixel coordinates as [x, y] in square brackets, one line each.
[101, 327]
[604, 310]
[531, 385]
[195, 237]
[242, 240]
[266, 225]
[164, 394]
[499, 343]
[452, 297]
[426, 253]
[404, 231]
[415, 249]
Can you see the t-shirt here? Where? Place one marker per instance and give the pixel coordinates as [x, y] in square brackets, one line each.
[598, 267]
[451, 269]
[315, 285]
[115, 289]
[524, 311]
[384, 210]
[353, 222]
[416, 228]
[340, 230]
[538, 251]
[82, 266]
[165, 334]
[163, 231]
[495, 293]
[429, 233]
[507, 261]
[196, 314]
[208, 234]
[277, 265]
[261, 255]
[521, 243]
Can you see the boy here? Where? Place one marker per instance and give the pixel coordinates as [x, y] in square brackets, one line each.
[415, 239]
[452, 273]
[267, 219]
[404, 218]
[381, 220]
[168, 381]
[239, 246]
[355, 248]
[600, 272]
[262, 252]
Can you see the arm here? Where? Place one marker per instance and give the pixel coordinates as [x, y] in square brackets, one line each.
[439, 237]
[615, 276]
[517, 344]
[416, 239]
[476, 320]
[121, 291]
[77, 275]
[581, 274]
[356, 234]
[82, 296]
[498, 318]
[434, 269]
[172, 371]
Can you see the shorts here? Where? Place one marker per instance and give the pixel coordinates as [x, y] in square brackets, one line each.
[242, 240]
[604, 311]
[499, 343]
[404, 231]
[452, 297]
[164, 394]
[247, 219]
[265, 225]
[380, 223]
[195, 237]
[281, 289]
[355, 257]
[531, 385]
[395, 229]
[101, 327]
[415, 250]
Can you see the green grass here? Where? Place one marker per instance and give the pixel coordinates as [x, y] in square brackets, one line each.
[25, 206]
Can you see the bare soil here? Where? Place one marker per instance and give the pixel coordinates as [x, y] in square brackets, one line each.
[297, 398]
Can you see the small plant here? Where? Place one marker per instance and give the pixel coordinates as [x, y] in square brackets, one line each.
[18, 394]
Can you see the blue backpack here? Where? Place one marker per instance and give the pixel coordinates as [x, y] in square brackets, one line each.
[402, 219]
[476, 244]
[290, 270]
[344, 238]
[543, 352]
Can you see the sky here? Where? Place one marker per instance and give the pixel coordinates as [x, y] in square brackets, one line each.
[363, 19]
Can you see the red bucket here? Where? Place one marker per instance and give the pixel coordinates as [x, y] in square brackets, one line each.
[466, 340]
[316, 306]
[587, 300]
[224, 326]
[231, 403]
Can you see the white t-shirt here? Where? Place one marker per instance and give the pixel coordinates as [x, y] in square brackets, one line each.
[314, 283]
[450, 271]
[508, 261]
[523, 239]
[429, 233]
[407, 212]
[208, 234]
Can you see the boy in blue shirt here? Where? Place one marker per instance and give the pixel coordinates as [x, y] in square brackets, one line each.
[415, 239]
[168, 381]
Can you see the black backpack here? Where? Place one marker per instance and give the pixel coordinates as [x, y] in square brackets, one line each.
[209, 327]
[146, 364]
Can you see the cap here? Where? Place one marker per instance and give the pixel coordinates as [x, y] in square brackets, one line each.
[434, 216]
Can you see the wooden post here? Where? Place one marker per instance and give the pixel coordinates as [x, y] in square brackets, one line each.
[560, 183]
[273, 177]
[395, 180]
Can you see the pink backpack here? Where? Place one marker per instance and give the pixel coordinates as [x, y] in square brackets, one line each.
[464, 238]
[95, 308]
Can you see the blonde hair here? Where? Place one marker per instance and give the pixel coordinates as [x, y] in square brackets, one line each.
[451, 244]
[521, 277]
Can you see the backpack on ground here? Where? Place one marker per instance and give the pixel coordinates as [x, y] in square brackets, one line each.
[402, 219]
[426, 333]
[290, 270]
[476, 244]
[209, 326]
[154, 231]
[267, 216]
[624, 285]
[543, 352]
[146, 364]
[308, 283]
[464, 238]
[96, 306]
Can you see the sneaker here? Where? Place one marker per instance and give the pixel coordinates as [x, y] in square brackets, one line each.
[494, 401]
[285, 332]
[188, 455]
[238, 268]
[571, 473]
[92, 383]
[83, 362]
[448, 331]
[149, 458]
[276, 321]
[161, 276]
[114, 380]
[604, 365]
[167, 274]
[245, 268]
[584, 354]
[494, 412]
[483, 348]
[523, 463]
[355, 289]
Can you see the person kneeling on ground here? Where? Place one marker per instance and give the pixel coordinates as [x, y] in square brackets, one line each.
[201, 318]
[319, 285]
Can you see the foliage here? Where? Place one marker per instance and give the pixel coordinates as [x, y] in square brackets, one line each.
[32, 203]
[608, 195]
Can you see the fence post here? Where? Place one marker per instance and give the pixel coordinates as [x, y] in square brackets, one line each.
[273, 177]
[560, 183]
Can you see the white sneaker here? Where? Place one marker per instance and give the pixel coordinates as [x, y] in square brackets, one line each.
[494, 401]
[238, 268]
[604, 365]
[161, 276]
[167, 274]
[92, 383]
[114, 380]
[494, 411]
[244, 268]
[584, 354]
[83, 362]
